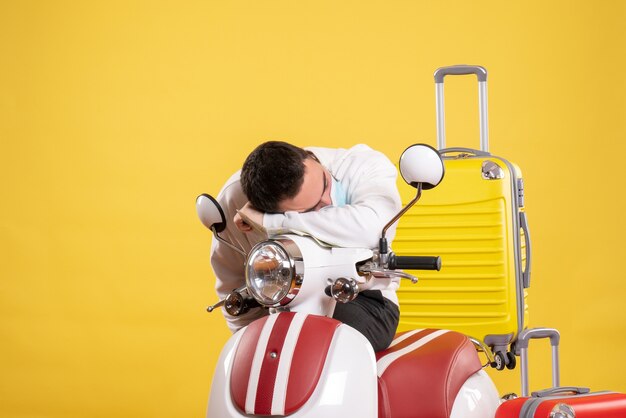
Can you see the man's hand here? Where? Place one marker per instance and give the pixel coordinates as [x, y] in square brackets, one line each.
[249, 211]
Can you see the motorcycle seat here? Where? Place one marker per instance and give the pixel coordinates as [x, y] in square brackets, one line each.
[422, 371]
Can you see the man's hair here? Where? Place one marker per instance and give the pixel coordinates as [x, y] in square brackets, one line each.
[274, 171]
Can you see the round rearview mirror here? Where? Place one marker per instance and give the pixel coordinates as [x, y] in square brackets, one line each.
[210, 212]
[421, 163]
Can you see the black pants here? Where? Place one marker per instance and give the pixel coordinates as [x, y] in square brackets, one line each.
[372, 315]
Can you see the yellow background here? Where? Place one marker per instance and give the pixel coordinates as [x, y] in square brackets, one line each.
[114, 115]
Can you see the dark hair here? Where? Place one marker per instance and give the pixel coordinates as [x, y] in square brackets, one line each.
[274, 171]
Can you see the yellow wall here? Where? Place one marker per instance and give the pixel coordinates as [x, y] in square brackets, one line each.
[114, 115]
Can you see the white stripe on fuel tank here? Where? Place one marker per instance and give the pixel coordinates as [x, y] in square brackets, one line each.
[257, 362]
[284, 364]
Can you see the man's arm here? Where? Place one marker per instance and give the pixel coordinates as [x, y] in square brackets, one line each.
[373, 197]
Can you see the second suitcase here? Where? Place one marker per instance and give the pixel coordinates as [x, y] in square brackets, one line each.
[557, 402]
[565, 402]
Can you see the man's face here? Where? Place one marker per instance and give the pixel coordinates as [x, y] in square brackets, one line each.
[315, 191]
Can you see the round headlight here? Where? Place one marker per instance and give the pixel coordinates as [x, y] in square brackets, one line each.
[270, 274]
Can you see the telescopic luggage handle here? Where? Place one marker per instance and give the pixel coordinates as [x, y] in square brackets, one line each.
[481, 74]
[521, 349]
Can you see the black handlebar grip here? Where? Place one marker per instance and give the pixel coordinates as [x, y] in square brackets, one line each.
[414, 262]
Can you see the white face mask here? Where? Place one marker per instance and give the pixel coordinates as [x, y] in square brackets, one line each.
[338, 195]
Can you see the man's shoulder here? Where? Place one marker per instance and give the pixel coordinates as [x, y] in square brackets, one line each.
[363, 157]
[340, 151]
[235, 178]
[231, 191]
[336, 157]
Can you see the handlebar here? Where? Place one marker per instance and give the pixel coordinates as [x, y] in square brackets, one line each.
[346, 289]
[414, 262]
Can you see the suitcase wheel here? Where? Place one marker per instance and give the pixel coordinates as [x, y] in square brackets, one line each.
[512, 361]
[504, 360]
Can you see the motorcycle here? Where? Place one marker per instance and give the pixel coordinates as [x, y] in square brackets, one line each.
[299, 362]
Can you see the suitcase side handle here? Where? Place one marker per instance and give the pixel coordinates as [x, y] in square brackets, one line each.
[559, 391]
[462, 150]
[521, 349]
[481, 74]
[524, 226]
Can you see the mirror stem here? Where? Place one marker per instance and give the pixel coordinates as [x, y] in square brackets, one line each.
[383, 241]
[228, 244]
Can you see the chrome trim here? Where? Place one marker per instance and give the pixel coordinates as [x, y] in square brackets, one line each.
[344, 290]
[491, 171]
[296, 266]
[562, 410]
[482, 347]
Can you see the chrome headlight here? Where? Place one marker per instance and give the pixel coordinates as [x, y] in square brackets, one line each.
[271, 274]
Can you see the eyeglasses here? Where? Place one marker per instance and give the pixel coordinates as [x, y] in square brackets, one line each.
[325, 182]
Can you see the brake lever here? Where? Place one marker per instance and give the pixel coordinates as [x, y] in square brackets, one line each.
[383, 273]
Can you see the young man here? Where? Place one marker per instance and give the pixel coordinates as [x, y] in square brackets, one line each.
[341, 196]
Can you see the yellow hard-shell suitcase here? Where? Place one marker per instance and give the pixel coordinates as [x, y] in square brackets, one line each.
[475, 221]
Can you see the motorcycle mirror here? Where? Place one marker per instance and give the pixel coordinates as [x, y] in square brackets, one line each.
[421, 163]
[210, 213]
[421, 166]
